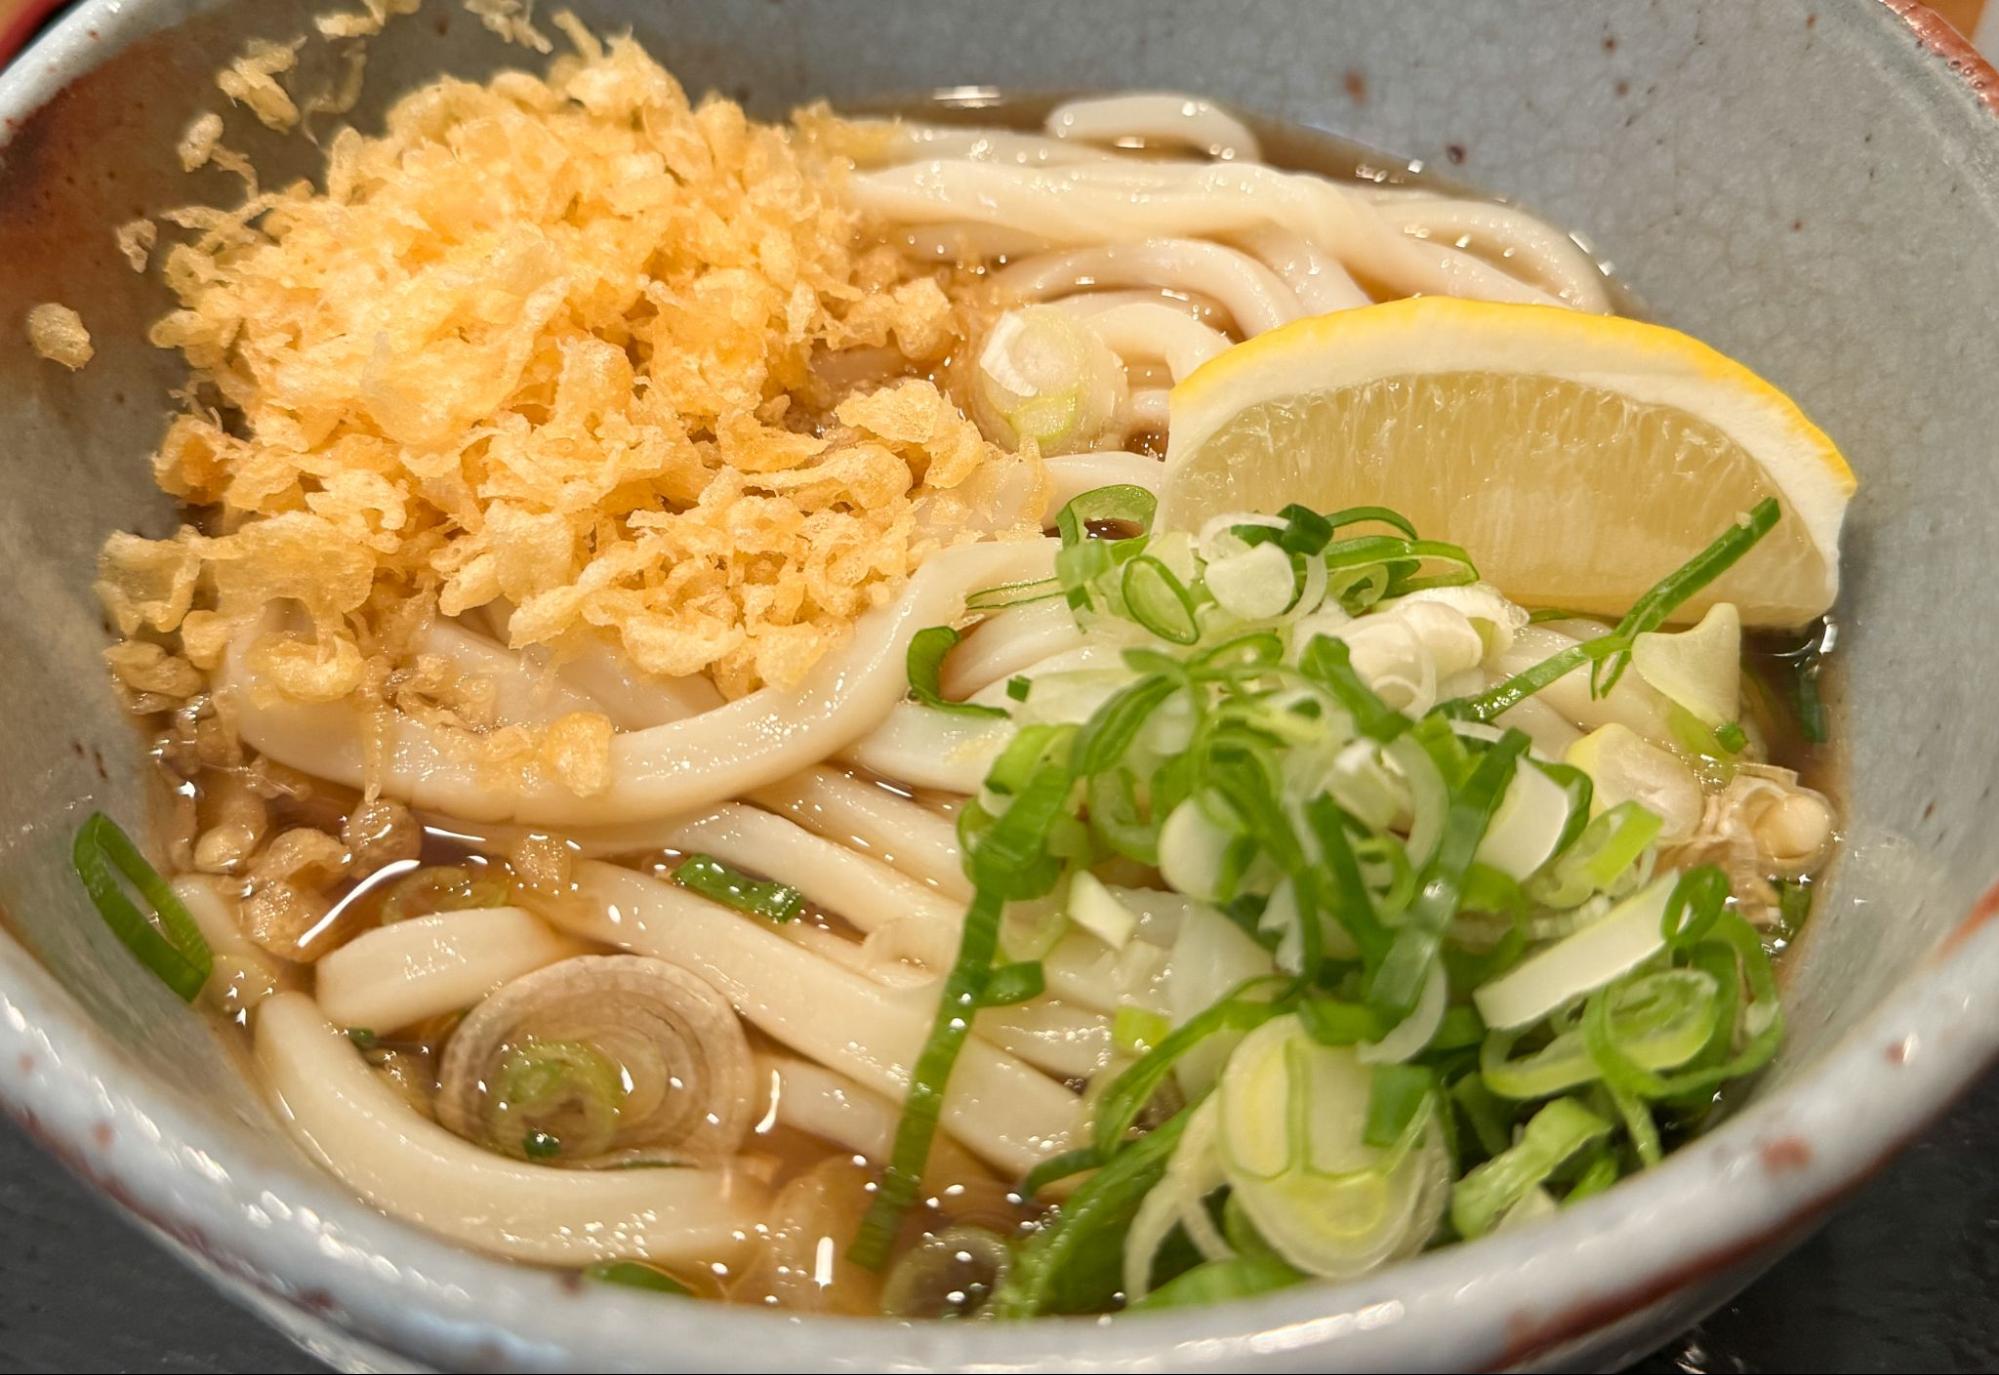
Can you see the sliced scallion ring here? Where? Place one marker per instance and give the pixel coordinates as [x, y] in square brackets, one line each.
[169, 944]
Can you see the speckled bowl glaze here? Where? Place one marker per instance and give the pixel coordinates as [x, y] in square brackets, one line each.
[1812, 185]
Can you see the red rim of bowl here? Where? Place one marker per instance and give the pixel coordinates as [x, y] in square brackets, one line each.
[23, 25]
[1941, 37]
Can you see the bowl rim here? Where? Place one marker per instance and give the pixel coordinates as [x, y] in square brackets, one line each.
[298, 1238]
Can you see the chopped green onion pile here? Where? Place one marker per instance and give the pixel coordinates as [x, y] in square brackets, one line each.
[1389, 863]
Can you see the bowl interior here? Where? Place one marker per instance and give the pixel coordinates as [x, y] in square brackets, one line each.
[1801, 190]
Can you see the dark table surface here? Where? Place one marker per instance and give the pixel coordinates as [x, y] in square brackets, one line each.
[1905, 1278]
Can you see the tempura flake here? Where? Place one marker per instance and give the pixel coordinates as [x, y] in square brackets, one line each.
[579, 348]
[56, 332]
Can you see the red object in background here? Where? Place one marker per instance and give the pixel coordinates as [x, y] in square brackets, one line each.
[21, 20]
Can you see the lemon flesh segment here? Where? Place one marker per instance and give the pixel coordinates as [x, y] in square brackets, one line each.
[1568, 478]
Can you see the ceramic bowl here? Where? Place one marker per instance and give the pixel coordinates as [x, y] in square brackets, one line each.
[1812, 185]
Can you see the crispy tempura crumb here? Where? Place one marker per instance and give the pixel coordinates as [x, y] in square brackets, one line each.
[512, 20]
[576, 345]
[375, 14]
[251, 81]
[56, 332]
[136, 239]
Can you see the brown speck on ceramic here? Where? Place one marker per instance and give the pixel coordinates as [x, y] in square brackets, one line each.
[1897, 1052]
[1456, 153]
[1786, 1154]
[1622, 87]
[103, 1135]
[26, 1062]
[1609, 44]
[1986, 908]
[1356, 85]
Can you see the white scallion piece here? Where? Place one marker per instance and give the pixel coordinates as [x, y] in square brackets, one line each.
[1627, 936]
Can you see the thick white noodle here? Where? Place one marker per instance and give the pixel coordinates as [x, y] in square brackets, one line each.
[244, 972]
[864, 890]
[524, 694]
[501, 838]
[1319, 282]
[1009, 641]
[968, 243]
[1529, 247]
[1097, 203]
[1547, 728]
[813, 1099]
[1633, 702]
[924, 748]
[1074, 1042]
[360, 1128]
[1192, 304]
[1155, 117]
[901, 946]
[849, 954]
[1157, 331]
[1147, 410]
[996, 1104]
[862, 816]
[1083, 971]
[1254, 296]
[899, 140]
[666, 770]
[399, 974]
[909, 959]
[1071, 475]
[632, 698]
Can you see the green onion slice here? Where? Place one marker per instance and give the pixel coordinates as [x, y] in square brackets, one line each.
[1123, 502]
[925, 1100]
[1328, 662]
[1060, 1167]
[1553, 1135]
[1659, 1021]
[1666, 596]
[1758, 1026]
[1013, 594]
[1098, 1213]
[1440, 890]
[711, 878]
[1133, 1089]
[927, 649]
[172, 946]
[1219, 1281]
[635, 1274]
[1598, 1175]
[1020, 982]
[1395, 1098]
[1157, 600]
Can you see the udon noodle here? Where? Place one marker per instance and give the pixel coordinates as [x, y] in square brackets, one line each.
[614, 864]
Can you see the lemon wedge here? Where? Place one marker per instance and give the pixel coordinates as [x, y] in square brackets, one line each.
[1577, 457]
